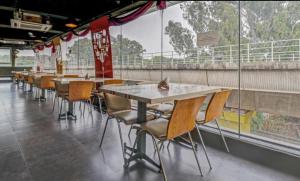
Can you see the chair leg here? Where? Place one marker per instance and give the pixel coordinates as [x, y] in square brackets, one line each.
[195, 153]
[121, 139]
[66, 110]
[159, 157]
[100, 105]
[91, 109]
[104, 132]
[54, 100]
[224, 141]
[203, 146]
[130, 131]
[59, 114]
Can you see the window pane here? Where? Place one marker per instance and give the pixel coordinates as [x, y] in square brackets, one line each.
[5, 58]
[191, 57]
[270, 77]
[25, 58]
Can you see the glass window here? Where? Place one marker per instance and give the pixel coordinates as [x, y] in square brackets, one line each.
[25, 58]
[5, 57]
[270, 55]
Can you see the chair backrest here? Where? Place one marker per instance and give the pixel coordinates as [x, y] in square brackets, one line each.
[216, 105]
[47, 82]
[17, 75]
[80, 90]
[61, 89]
[71, 76]
[113, 81]
[184, 116]
[30, 79]
[116, 103]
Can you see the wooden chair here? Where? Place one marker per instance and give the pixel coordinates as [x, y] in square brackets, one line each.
[120, 109]
[43, 83]
[100, 95]
[213, 112]
[182, 121]
[61, 90]
[164, 109]
[46, 82]
[78, 91]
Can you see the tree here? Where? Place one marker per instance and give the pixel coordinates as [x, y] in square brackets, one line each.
[180, 38]
[128, 46]
[85, 49]
[260, 21]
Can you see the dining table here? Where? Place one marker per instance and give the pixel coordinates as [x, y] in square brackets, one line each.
[150, 94]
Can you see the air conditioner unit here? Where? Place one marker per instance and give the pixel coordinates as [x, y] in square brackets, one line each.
[29, 22]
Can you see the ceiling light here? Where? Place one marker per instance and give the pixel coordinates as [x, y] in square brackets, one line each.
[30, 34]
[71, 23]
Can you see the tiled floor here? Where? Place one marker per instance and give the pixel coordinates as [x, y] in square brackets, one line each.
[35, 146]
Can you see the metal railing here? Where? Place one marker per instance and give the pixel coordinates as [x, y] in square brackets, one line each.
[272, 51]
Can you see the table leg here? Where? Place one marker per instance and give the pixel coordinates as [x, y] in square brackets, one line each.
[69, 113]
[140, 152]
[43, 94]
[30, 90]
[141, 142]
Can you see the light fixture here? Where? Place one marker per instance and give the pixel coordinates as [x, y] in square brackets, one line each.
[71, 23]
[30, 34]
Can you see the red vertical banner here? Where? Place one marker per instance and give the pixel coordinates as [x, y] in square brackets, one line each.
[102, 47]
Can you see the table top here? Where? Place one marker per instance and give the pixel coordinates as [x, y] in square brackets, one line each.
[149, 93]
[69, 79]
[96, 80]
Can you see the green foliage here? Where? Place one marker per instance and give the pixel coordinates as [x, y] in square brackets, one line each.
[128, 46]
[85, 49]
[260, 21]
[180, 38]
[257, 121]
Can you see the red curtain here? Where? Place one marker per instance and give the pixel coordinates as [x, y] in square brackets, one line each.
[99, 31]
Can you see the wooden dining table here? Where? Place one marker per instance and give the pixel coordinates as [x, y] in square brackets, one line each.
[150, 94]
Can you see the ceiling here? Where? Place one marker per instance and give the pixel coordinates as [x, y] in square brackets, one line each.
[58, 12]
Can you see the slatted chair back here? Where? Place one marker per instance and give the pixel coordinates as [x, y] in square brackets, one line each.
[47, 82]
[216, 105]
[80, 90]
[184, 116]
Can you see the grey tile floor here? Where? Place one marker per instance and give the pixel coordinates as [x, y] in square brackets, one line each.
[35, 146]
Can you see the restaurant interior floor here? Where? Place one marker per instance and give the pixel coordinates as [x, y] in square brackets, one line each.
[35, 146]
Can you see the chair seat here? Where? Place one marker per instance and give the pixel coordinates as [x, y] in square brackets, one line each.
[157, 128]
[162, 108]
[130, 116]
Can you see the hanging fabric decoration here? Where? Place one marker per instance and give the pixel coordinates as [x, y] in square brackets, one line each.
[101, 47]
[68, 37]
[137, 13]
[40, 47]
[132, 16]
[161, 5]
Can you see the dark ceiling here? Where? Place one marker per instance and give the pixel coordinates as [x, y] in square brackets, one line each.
[58, 12]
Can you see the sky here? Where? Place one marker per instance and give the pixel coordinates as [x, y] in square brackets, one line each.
[146, 30]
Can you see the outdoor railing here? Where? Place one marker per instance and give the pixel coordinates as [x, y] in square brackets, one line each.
[272, 51]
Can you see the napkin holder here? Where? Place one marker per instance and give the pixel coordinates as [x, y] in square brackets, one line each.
[86, 77]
